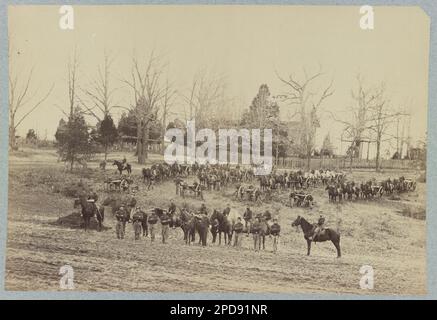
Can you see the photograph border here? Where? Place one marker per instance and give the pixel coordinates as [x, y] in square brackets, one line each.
[430, 9]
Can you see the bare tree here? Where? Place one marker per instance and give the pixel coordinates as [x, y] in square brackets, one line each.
[148, 93]
[357, 124]
[382, 117]
[206, 98]
[100, 92]
[167, 103]
[303, 95]
[22, 100]
[72, 73]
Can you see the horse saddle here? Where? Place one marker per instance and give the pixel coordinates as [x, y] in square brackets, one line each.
[319, 233]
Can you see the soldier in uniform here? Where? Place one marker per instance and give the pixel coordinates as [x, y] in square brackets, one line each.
[165, 222]
[122, 216]
[132, 204]
[247, 216]
[144, 224]
[238, 230]
[267, 215]
[172, 208]
[171, 212]
[317, 228]
[275, 230]
[152, 220]
[137, 218]
[255, 230]
[92, 196]
[227, 210]
[203, 209]
[177, 182]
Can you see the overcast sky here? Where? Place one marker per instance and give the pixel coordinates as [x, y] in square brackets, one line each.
[246, 44]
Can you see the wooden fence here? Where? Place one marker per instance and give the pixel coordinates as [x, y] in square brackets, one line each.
[343, 163]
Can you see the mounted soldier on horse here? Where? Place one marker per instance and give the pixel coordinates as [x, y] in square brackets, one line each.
[317, 233]
[122, 166]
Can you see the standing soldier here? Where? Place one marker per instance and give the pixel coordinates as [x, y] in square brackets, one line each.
[267, 215]
[144, 224]
[227, 210]
[172, 208]
[275, 230]
[151, 180]
[247, 216]
[238, 230]
[255, 230]
[177, 182]
[165, 221]
[203, 209]
[171, 212]
[93, 196]
[137, 217]
[131, 204]
[122, 216]
[152, 220]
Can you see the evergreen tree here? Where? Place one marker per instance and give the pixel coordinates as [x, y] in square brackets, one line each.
[73, 139]
[107, 133]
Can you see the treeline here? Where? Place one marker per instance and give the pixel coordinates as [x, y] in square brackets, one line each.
[154, 99]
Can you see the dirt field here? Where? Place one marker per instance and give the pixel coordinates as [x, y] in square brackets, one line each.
[378, 233]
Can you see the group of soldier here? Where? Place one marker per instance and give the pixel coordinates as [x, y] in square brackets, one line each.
[253, 225]
[141, 221]
[146, 223]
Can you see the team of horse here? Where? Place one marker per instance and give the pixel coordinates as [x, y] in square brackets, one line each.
[298, 179]
[349, 190]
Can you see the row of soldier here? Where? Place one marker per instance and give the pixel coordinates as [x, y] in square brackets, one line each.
[146, 223]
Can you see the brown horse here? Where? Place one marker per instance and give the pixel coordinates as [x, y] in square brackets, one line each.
[122, 166]
[201, 226]
[185, 220]
[324, 235]
[89, 210]
[224, 226]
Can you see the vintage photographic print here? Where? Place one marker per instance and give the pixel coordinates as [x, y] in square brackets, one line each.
[217, 148]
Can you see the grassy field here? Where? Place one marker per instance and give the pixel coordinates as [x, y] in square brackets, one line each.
[379, 233]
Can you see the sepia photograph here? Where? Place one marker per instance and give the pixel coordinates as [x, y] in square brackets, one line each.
[217, 149]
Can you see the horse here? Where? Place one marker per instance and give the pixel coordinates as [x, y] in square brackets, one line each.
[224, 226]
[201, 225]
[89, 210]
[114, 203]
[122, 166]
[148, 176]
[185, 220]
[324, 235]
[334, 192]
